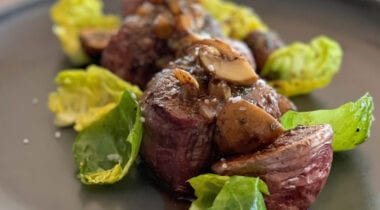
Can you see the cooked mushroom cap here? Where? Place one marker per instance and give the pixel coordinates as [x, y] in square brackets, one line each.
[221, 46]
[94, 41]
[227, 64]
[244, 127]
[163, 27]
[184, 22]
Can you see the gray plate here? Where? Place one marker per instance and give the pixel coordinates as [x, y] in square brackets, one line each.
[41, 175]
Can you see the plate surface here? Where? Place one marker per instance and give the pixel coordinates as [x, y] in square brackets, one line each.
[39, 173]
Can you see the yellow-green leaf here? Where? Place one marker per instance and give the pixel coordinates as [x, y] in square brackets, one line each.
[351, 122]
[300, 68]
[84, 96]
[236, 21]
[71, 16]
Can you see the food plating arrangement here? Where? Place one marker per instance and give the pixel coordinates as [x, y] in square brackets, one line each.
[199, 92]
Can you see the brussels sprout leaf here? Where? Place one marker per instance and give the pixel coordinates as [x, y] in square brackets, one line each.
[106, 149]
[216, 192]
[351, 122]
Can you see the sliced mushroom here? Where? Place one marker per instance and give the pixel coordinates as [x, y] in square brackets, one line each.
[163, 27]
[184, 23]
[174, 6]
[185, 77]
[295, 167]
[224, 48]
[244, 127]
[228, 64]
[188, 40]
[208, 109]
[219, 89]
[190, 85]
[94, 41]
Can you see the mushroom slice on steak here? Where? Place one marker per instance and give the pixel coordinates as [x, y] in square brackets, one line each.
[295, 167]
[181, 106]
[244, 127]
[94, 41]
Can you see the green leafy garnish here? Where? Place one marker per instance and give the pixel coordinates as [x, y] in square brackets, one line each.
[236, 21]
[215, 192]
[300, 68]
[71, 16]
[351, 122]
[105, 150]
[84, 96]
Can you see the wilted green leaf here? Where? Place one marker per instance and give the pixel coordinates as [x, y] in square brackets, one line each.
[351, 122]
[215, 192]
[105, 150]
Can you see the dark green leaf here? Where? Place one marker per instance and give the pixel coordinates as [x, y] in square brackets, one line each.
[216, 192]
[105, 150]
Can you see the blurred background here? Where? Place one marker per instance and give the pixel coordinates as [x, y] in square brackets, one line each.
[10, 4]
[8, 7]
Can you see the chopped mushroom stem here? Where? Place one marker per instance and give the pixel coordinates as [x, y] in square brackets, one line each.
[219, 89]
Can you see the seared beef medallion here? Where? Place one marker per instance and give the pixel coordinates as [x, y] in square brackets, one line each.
[149, 38]
[262, 45]
[191, 104]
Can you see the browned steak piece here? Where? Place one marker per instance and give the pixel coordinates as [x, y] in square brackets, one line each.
[150, 37]
[181, 106]
[177, 139]
[130, 6]
[262, 45]
[295, 167]
[285, 104]
[133, 52]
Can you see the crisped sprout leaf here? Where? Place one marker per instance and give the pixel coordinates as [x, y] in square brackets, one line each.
[300, 68]
[84, 96]
[105, 150]
[351, 122]
[71, 16]
[215, 192]
[236, 21]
